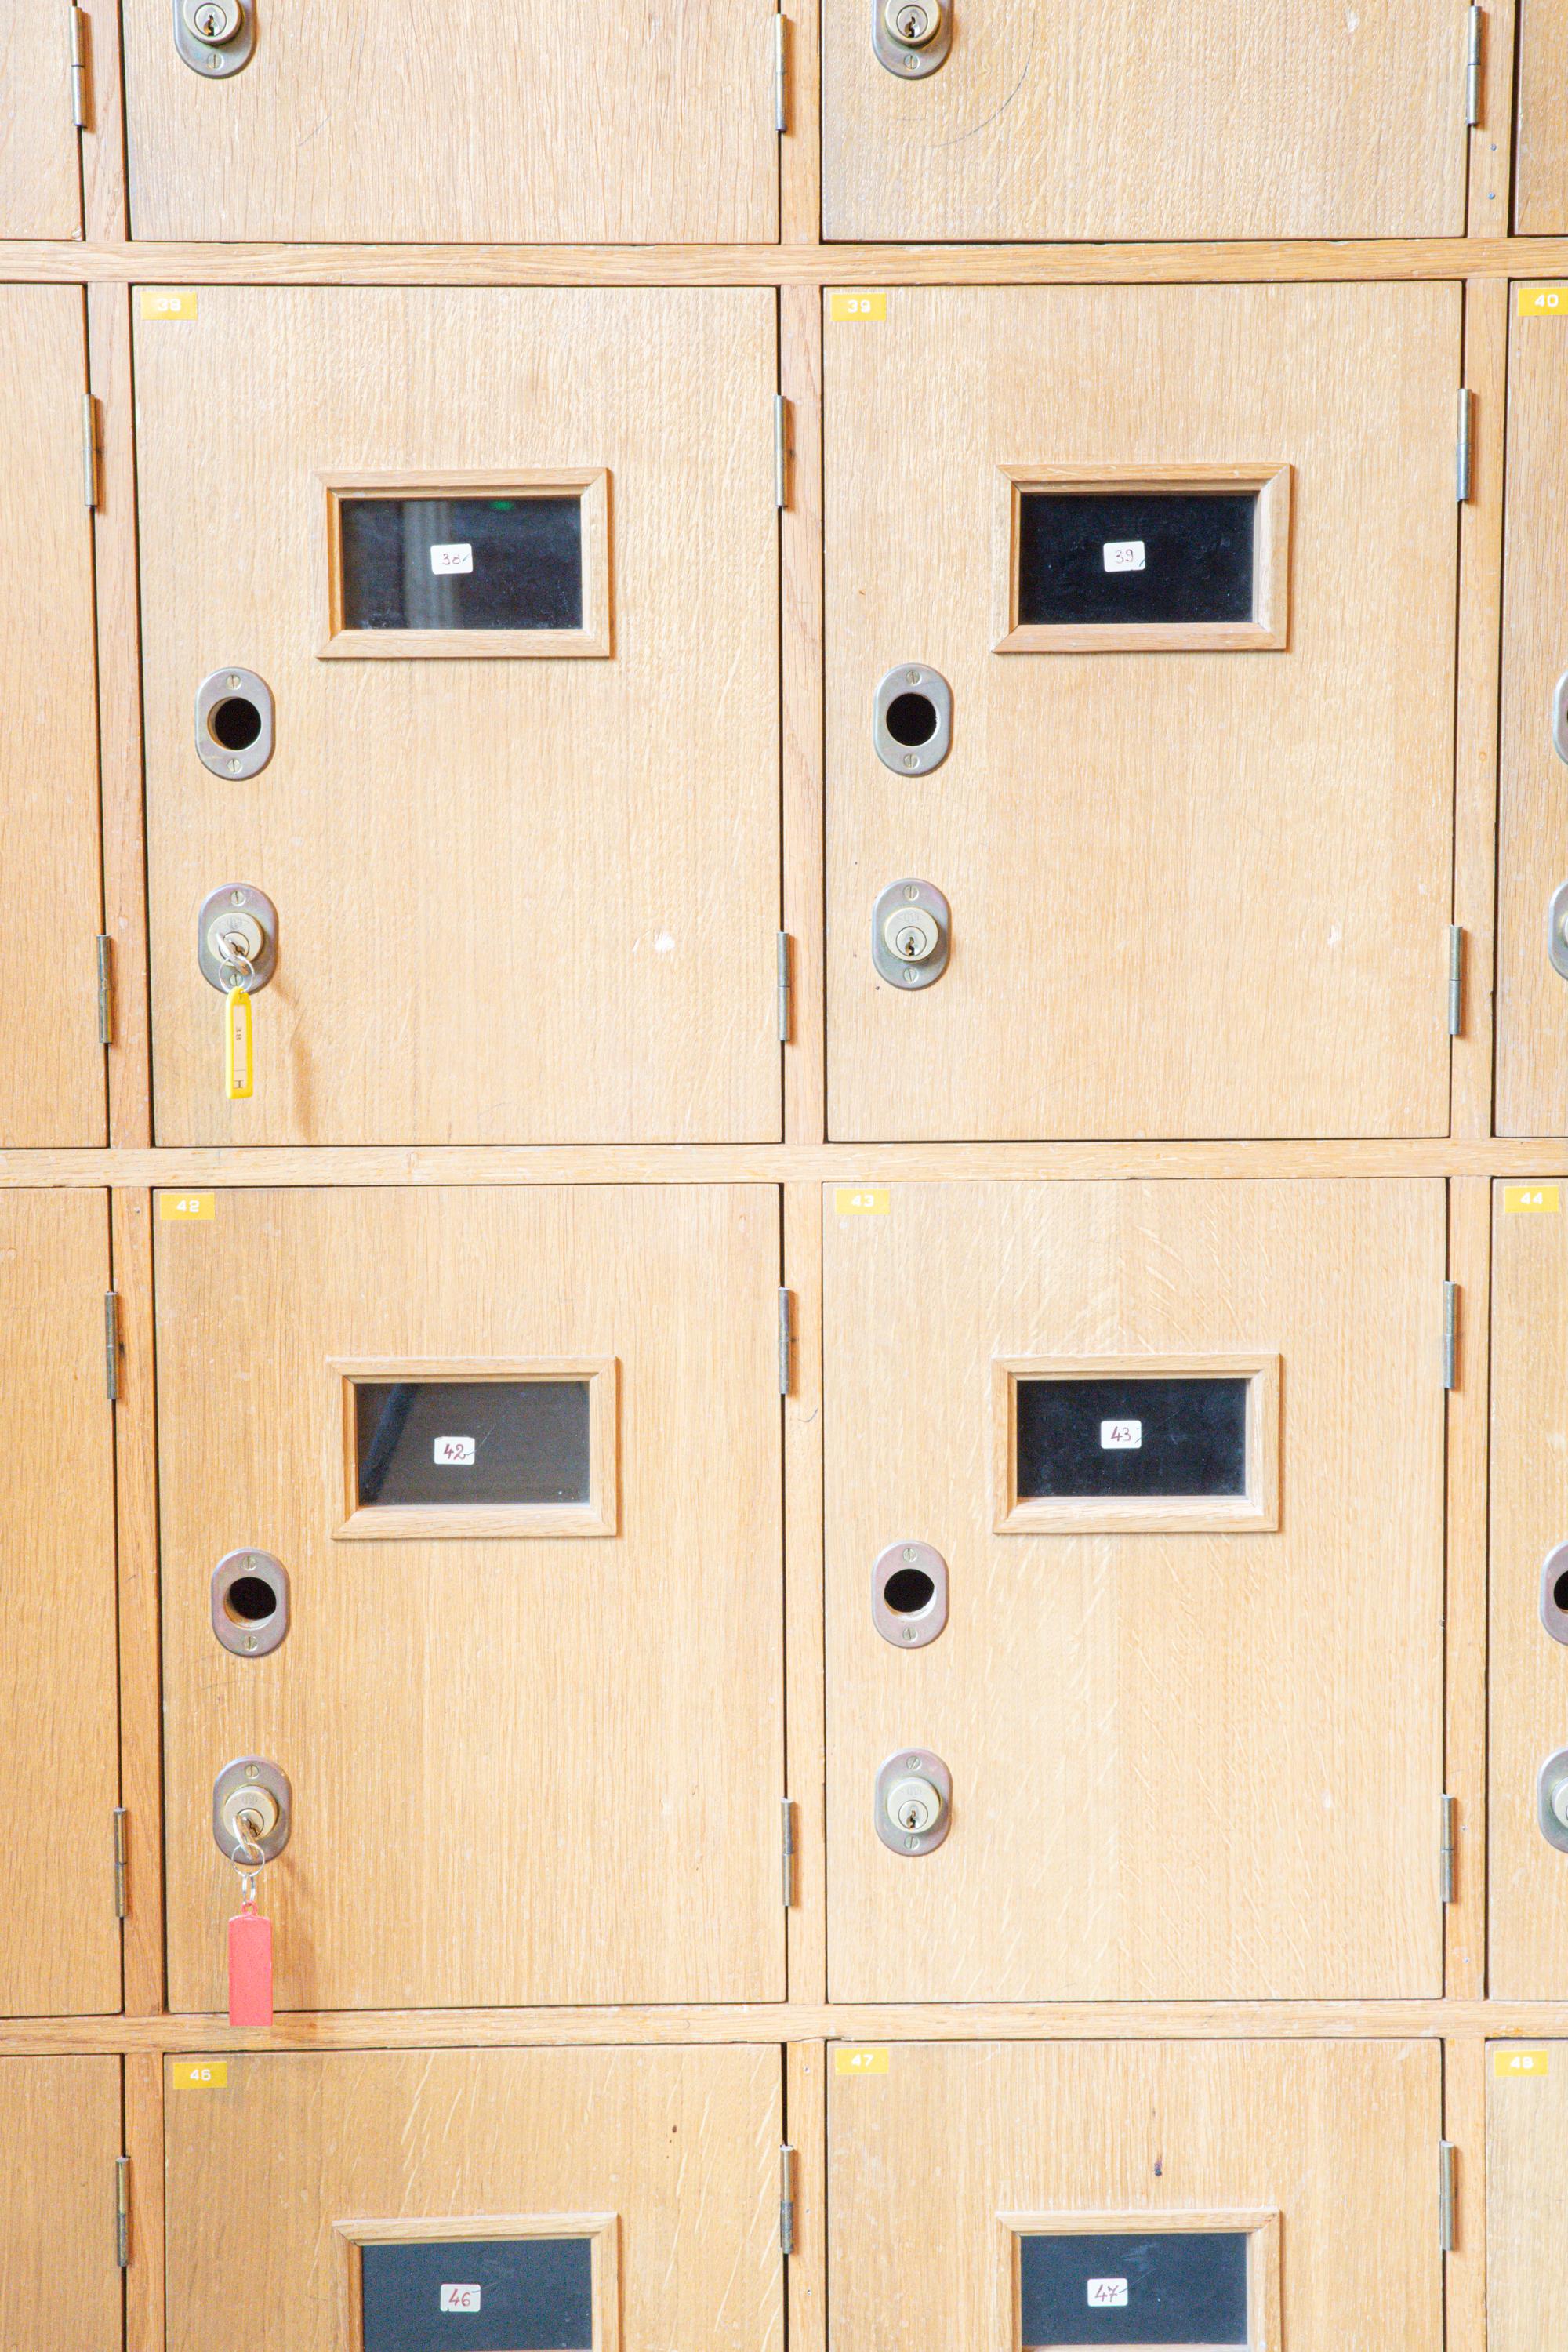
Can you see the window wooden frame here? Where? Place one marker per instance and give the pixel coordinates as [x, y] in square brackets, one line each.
[393, 1522]
[1256, 1512]
[601, 2229]
[590, 486]
[1267, 632]
[1261, 2229]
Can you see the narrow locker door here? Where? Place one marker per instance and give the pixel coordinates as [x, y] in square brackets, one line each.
[1076, 118]
[59, 2279]
[1200, 2193]
[40, 176]
[52, 1063]
[59, 1952]
[464, 668]
[471, 1508]
[537, 124]
[1533, 817]
[1527, 1817]
[1541, 197]
[1527, 2158]
[545, 2201]
[1172, 571]
[1169, 1457]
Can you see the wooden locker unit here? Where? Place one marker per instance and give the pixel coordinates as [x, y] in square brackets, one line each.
[526, 1768]
[1527, 2157]
[525, 901]
[673, 2154]
[1184, 1765]
[1339, 2140]
[1527, 1709]
[1541, 184]
[59, 2279]
[548, 125]
[59, 1732]
[40, 172]
[51, 1062]
[1194, 892]
[1089, 121]
[1532, 819]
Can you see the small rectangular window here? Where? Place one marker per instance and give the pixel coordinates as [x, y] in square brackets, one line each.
[439, 1450]
[1206, 2280]
[1122, 559]
[482, 2295]
[1142, 1444]
[464, 565]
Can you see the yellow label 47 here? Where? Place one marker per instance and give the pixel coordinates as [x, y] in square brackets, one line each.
[859, 2062]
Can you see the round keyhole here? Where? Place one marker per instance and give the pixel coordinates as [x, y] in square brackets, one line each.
[235, 722]
[911, 718]
[250, 1599]
[1560, 1591]
[907, 1591]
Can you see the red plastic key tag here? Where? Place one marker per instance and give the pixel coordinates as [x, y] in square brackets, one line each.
[250, 1968]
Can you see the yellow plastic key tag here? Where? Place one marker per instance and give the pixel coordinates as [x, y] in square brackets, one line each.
[237, 1061]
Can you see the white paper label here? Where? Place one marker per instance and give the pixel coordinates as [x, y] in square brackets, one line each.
[1108, 2294]
[1123, 554]
[468, 2298]
[457, 555]
[1121, 1436]
[457, 1451]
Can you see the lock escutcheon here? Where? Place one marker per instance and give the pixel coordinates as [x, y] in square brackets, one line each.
[910, 38]
[242, 919]
[914, 1803]
[912, 932]
[252, 1790]
[215, 37]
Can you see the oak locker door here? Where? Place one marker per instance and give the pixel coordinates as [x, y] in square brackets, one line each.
[495, 575]
[1184, 556]
[1527, 2156]
[40, 175]
[1136, 2193]
[488, 1481]
[52, 1063]
[1168, 1725]
[592, 2199]
[60, 2278]
[1082, 119]
[323, 121]
[1527, 1816]
[60, 1941]
[1541, 201]
[1532, 834]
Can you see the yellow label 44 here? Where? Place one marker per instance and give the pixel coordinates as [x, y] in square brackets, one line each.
[238, 1075]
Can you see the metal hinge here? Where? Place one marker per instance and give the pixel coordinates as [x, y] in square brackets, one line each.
[112, 1345]
[784, 1337]
[120, 1909]
[1446, 1850]
[1455, 980]
[1446, 2195]
[89, 450]
[786, 2199]
[781, 451]
[79, 69]
[1462, 445]
[123, 2212]
[786, 1853]
[105, 999]
[1450, 1335]
[1473, 69]
[783, 982]
[781, 74]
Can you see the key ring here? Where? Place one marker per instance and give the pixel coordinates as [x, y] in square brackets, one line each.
[237, 965]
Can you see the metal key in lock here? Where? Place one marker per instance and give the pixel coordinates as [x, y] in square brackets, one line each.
[236, 949]
[252, 1817]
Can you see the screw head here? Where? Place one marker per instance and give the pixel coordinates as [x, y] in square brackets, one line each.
[252, 1772]
[911, 760]
[911, 890]
[236, 898]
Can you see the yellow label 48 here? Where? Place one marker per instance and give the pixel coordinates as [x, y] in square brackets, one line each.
[1512, 2065]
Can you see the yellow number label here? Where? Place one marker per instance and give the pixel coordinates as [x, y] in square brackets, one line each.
[859, 2062]
[187, 1208]
[164, 302]
[1509, 2065]
[1530, 1200]
[236, 1069]
[862, 1200]
[201, 2073]
[847, 308]
[1544, 302]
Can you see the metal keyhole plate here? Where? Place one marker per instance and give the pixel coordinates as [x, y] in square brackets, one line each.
[237, 910]
[910, 894]
[908, 1595]
[249, 1783]
[907, 61]
[918, 1764]
[214, 60]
